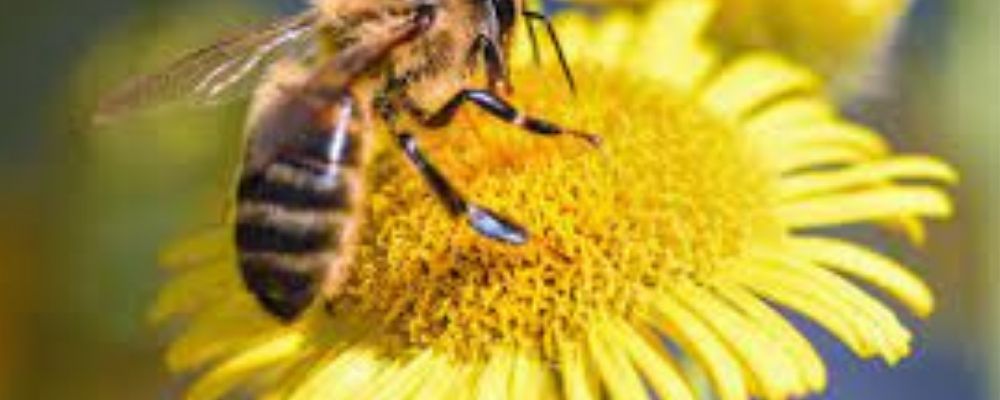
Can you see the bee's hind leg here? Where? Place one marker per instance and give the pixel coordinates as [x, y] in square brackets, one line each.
[488, 223]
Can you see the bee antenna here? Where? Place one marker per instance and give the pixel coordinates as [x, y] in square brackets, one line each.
[554, 38]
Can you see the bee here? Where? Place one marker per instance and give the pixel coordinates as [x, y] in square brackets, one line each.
[322, 79]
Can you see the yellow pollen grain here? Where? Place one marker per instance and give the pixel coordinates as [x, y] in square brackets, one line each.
[672, 192]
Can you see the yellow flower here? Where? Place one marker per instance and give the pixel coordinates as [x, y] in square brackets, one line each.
[836, 37]
[690, 226]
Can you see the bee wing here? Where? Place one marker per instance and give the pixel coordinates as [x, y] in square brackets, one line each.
[212, 74]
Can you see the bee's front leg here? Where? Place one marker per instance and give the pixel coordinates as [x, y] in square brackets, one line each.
[497, 73]
[531, 16]
[499, 108]
[485, 221]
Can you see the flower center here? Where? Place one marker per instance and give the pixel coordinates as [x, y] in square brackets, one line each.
[671, 192]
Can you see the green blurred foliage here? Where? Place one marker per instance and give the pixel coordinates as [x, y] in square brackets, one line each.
[969, 134]
[98, 201]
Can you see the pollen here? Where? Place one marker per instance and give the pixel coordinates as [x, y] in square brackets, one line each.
[670, 192]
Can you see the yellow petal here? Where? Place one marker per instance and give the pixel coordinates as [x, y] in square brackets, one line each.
[578, 381]
[574, 29]
[773, 371]
[911, 227]
[891, 337]
[677, 27]
[795, 293]
[528, 380]
[835, 134]
[868, 266]
[222, 378]
[789, 113]
[494, 381]
[402, 383]
[785, 160]
[208, 246]
[200, 343]
[615, 36]
[838, 38]
[342, 373]
[765, 318]
[388, 373]
[751, 81]
[186, 293]
[651, 360]
[282, 383]
[877, 324]
[465, 381]
[439, 378]
[680, 24]
[866, 205]
[873, 173]
[618, 374]
[701, 342]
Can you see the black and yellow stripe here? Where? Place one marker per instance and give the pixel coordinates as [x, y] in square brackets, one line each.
[291, 217]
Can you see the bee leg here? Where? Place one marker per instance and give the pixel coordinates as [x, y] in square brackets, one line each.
[488, 223]
[530, 16]
[500, 108]
[536, 55]
[497, 73]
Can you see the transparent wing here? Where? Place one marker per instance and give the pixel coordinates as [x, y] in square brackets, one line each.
[220, 71]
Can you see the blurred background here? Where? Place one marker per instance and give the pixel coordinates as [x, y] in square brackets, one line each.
[83, 215]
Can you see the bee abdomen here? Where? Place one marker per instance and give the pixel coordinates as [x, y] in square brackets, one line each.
[258, 188]
[290, 221]
[282, 290]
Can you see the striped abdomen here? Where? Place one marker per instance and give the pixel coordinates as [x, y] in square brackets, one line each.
[296, 220]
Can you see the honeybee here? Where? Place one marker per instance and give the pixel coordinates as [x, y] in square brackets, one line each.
[328, 74]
